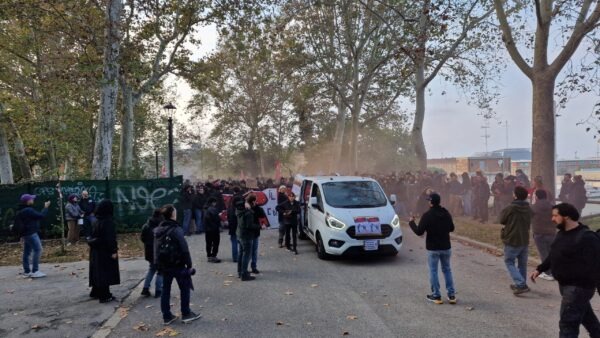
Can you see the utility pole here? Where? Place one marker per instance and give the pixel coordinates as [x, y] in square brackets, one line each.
[506, 124]
[485, 136]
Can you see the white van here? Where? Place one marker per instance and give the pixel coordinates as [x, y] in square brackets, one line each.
[349, 216]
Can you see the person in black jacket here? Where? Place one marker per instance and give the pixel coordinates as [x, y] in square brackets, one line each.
[187, 197]
[104, 259]
[573, 259]
[212, 225]
[30, 220]
[281, 198]
[147, 237]
[437, 223]
[232, 221]
[175, 264]
[289, 211]
[198, 204]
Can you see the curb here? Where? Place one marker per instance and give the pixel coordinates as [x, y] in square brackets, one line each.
[487, 247]
[116, 318]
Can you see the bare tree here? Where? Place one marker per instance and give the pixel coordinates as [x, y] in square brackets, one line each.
[6, 175]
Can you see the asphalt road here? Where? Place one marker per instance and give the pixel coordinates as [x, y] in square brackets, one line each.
[302, 296]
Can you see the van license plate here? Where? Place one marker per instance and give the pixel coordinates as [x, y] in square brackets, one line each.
[371, 245]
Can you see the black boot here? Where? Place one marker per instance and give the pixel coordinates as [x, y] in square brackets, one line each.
[146, 292]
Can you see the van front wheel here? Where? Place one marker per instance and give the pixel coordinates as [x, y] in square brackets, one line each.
[321, 249]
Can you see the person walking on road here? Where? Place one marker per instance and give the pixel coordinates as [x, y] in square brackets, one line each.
[516, 219]
[437, 224]
[147, 237]
[246, 229]
[212, 226]
[232, 222]
[544, 230]
[104, 258]
[573, 258]
[173, 259]
[29, 219]
[281, 198]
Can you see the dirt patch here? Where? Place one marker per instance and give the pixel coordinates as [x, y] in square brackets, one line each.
[130, 246]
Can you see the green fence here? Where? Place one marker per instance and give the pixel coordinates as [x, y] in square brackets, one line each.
[134, 201]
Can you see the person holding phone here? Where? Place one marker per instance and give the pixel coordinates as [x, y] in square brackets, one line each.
[30, 218]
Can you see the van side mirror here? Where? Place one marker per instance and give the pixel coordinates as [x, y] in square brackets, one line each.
[393, 199]
[313, 202]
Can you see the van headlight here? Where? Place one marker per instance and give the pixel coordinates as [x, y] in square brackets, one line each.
[335, 223]
[396, 221]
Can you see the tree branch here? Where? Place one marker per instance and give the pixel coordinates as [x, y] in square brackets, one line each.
[508, 39]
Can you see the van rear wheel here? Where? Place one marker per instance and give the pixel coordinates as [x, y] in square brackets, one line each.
[321, 253]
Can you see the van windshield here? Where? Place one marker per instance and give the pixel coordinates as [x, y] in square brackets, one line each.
[356, 194]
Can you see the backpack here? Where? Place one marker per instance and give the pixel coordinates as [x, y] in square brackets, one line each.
[18, 226]
[169, 252]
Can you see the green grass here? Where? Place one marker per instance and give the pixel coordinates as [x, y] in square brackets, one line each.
[592, 222]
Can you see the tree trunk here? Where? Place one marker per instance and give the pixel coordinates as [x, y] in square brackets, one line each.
[543, 143]
[353, 155]
[52, 162]
[20, 155]
[101, 163]
[127, 132]
[417, 129]
[6, 175]
[339, 136]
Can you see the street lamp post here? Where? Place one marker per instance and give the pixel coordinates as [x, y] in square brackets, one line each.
[170, 108]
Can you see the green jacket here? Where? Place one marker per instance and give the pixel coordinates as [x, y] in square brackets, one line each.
[246, 227]
[516, 219]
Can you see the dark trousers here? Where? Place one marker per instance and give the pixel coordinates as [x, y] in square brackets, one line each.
[291, 229]
[482, 210]
[281, 232]
[213, 238]
[184, 288]
[244, 254]
[575, 310]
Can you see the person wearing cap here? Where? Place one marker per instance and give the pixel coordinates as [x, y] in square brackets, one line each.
[30, 218]
[72, 214]
[437, 224]
[516, 219]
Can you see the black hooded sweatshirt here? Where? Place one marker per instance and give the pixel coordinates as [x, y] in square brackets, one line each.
[437, 223]
[159, 235]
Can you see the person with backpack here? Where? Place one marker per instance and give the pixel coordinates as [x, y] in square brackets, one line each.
[544, 230]
[212, 227]
[575, 265]
[247, 225]
[104, 258]
[173, 260]
[27, 226]
[147, 237]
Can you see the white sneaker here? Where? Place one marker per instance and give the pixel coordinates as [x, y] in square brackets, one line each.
[546, 276]
[26, 274]
[37, 274]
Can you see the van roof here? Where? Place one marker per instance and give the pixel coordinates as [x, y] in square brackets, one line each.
[325, 179]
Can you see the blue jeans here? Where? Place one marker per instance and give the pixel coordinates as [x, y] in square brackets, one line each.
[199, 223]
[234, 247]
[244, 256]
[254, 253]
[433, 258]
[184, 288]
[32, 244]
[519, 253]
[158, 283]
[187, 218]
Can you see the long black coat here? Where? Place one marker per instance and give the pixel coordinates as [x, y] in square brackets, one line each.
[104, 270]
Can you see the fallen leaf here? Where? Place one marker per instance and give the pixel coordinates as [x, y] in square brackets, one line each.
[141, 327]
[167, 332]
[11, 291]
[314, 285]
[149, 306]
[308, 323]
[289, 293]
[345, 333]
[230, 304]
[38, 326]
[224, 319]
[386, 305]
[123, 312]
[280, 323]
[69, 322]
[351, 317]
[230, 275]
[470, 308]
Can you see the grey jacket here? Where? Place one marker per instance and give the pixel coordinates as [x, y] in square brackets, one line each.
[72, 212]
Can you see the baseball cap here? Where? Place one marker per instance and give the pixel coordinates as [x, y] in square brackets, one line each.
[27, 197]
[434, 198]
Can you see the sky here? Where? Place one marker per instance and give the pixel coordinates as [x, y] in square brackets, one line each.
[453, 129]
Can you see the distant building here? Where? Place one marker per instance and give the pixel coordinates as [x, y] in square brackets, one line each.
[489, 165]
[515, 154]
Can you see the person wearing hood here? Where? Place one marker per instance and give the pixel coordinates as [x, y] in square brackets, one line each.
[30, 220]
[437, 224]
[544, 230]
[516, 219]
[573, 258]
[173, 260]
[73, 214]
[147, 238]
[104, 258]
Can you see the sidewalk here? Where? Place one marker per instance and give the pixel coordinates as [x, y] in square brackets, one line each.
[59, 304]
